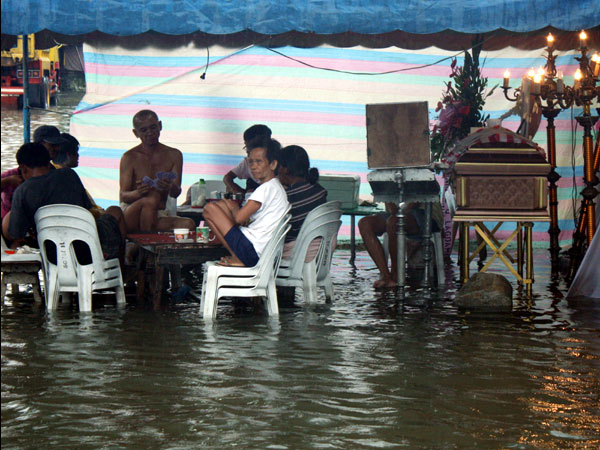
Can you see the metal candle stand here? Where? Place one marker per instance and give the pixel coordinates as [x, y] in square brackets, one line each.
[552, 95]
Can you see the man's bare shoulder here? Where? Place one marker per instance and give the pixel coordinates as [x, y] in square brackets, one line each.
[132, 152]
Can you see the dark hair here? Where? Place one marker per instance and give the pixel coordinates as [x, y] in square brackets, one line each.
[272, 147]
[297, 162]
[255, 131]
[33, 155]
[142, 115]
[70, 146]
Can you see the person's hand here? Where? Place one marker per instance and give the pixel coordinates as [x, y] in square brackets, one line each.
[142, 188]
[164, 184]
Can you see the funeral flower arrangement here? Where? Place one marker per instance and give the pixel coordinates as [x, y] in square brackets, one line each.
[461, 106]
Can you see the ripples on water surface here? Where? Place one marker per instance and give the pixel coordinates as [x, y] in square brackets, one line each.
[363, 372]
[360, 373]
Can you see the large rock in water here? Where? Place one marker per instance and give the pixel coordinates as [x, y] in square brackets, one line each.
[485, 292]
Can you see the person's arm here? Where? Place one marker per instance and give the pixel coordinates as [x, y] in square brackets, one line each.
[129, 189]
[10, 178]
[230, 184]
[243, 214]
[175, 188]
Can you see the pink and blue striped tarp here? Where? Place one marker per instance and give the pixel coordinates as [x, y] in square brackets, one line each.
[313, 97]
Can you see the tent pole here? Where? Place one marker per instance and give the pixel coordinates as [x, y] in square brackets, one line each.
[26, 119]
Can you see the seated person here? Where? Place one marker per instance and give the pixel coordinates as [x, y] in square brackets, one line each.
[242, 170]
[68, 156]
[44, 186]
[49, 136]
[11, 179]
[303, 191]
[371, 227]
[149, 173]
[263, 209]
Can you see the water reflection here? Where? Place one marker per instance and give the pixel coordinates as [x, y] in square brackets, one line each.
[366, 371]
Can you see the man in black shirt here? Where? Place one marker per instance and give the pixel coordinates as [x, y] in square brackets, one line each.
[43, 186]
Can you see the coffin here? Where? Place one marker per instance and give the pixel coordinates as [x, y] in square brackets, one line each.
[495, 177]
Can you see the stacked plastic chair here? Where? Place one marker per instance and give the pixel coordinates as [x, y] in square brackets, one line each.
[257, 281]
[309, 264]
[62, 225]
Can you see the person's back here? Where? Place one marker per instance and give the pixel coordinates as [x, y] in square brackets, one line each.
[303, 191]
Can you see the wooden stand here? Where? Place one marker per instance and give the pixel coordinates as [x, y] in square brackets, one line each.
[522, 233]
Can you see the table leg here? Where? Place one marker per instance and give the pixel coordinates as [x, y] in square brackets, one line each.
[352, 240]
[427, 246]
[141, 275]
[529, 257]
[156, 286]
[464, 249]
[520, 250]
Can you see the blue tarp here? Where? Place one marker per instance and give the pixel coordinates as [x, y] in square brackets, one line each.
[130, 17]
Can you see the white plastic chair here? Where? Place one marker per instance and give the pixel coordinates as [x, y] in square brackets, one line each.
[62, 225]
[257, 281]
[300, 270]
[436, 241]
[21, 268]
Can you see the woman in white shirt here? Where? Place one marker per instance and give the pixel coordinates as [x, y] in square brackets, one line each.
[261, 212]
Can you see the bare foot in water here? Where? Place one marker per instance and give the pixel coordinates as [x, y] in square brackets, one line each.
[385, 283]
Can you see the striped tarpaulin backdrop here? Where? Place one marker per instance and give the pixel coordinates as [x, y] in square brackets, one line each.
[313, 97]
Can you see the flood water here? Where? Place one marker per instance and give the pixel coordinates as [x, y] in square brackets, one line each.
[367, 371]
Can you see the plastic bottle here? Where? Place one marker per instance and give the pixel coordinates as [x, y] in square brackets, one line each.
[201, 197]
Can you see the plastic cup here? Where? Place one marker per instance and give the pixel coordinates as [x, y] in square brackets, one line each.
[181, 234]
[202, 235]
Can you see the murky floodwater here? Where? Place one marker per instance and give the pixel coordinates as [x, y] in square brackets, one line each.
[364, 372]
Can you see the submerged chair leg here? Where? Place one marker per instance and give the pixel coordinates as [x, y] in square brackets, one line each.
[328, 286]
[272, 306]
[208, 302]
[85, 288]
[52, 290]
[309, 282]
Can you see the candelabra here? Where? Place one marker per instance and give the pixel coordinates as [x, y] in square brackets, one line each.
[552, 95]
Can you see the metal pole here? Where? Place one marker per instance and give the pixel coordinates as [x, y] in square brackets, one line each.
[26, 118]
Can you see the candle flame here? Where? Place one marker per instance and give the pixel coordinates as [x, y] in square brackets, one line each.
[550, 39]
[583, 35]
[531, 73]
[578, 75]
[507, 73]
[537, 78]
[596, 58]
[541, 71]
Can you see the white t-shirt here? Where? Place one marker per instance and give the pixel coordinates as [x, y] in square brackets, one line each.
[273, 204]
[242, 170]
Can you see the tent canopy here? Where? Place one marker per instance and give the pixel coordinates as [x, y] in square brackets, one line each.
[176, 17]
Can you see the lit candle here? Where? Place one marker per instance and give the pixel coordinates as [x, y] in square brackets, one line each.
[577, 76]
[550, 40]
[582, 38]
[506, 78]
[596, 61]
[531, 73]
[537, 79]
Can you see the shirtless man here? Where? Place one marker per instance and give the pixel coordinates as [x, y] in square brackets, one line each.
[144, 203]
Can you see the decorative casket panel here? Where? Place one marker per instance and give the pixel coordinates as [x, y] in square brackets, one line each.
[500, 173]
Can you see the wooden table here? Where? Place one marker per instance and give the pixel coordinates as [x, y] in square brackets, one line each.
[159, 251]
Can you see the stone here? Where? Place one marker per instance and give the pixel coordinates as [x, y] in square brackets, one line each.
[485, 292]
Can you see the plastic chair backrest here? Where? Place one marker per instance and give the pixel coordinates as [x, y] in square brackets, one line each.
[325, 213]
[62, 225]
